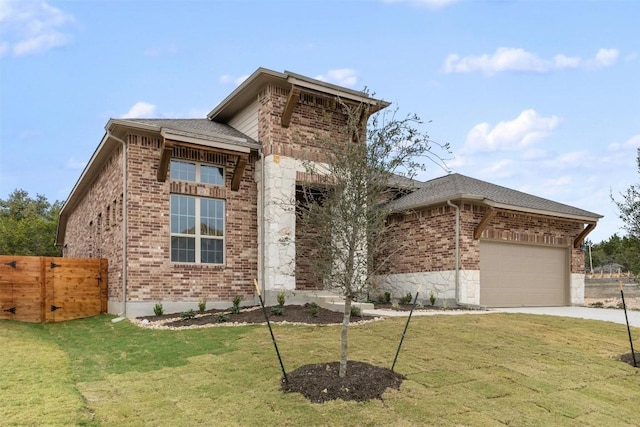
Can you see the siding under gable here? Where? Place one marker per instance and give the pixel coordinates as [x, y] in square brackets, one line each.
[246, 121]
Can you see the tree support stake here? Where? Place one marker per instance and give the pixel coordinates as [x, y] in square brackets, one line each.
[273, 338]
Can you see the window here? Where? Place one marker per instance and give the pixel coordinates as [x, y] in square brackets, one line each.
[196, 172]
[197, 230]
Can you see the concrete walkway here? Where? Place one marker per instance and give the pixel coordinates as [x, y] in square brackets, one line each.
[604, 314]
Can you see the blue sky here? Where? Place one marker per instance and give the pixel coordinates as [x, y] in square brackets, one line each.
[539, 96]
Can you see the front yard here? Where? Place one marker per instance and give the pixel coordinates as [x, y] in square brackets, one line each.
[479, 370]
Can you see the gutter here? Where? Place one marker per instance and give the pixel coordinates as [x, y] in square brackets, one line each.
[457, 249]
[123, 314]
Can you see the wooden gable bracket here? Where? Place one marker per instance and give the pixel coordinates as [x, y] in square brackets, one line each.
[292, 100]
[237, 173]
[577, 242]
[488, 216]
[165, 159]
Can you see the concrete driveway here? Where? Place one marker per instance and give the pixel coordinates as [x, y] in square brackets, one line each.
[604, 314]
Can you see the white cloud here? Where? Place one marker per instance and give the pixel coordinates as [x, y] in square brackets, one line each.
[31, 27]
[507, 59]
[500, 169]
[237, 81]
[140, 110]
[633, 142]
[341, 76]
[518, 133]
[433, 4]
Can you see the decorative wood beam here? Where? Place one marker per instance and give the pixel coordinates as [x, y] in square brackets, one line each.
[578, 240]
[165, 159]
[488, 216]
[237, 173]
[294, 95]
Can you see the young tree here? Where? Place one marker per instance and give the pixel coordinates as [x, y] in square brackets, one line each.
[28, 226]
[342, 211]
[629, 207]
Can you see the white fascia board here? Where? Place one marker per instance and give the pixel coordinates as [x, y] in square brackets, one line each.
[534, 211]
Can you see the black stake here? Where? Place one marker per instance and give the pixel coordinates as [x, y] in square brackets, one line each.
[624, 306]
[273, 338]
[415, 300]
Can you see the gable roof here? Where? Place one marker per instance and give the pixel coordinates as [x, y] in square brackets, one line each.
[195, 128]
[460, 187]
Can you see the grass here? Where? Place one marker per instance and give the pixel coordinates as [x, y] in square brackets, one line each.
[480, 370]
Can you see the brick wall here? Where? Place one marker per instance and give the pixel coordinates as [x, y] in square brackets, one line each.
[95, 225]
[431, 237]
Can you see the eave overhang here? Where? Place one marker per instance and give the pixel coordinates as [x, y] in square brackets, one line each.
[249, 89]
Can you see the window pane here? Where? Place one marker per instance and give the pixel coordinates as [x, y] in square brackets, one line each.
[183, 215]
[183, 249]
[183, 171]
[212, 175]
[211, 251]
[211, 217]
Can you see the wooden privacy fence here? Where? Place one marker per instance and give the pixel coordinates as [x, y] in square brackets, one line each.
[52, 289]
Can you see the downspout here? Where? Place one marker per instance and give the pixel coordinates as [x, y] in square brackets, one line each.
[123, 314]
[263, 223]
[457, 249]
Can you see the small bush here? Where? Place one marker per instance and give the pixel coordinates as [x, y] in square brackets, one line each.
[387, 297]
[314, 309]
[221, 317]
[432, 299]
[406, 299]
[355, 311]
[597, 304]
[236, 304]
[202, 305]
[158, 309]
[395, 304]
[278, 310]
[382, 299]
[281, 298]
[189, 314]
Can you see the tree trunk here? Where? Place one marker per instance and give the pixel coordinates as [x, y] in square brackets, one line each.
[345, 328]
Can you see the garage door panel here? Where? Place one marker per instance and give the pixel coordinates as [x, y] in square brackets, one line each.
[516, 275]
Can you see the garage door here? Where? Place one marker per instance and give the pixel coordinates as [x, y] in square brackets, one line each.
[515, 275]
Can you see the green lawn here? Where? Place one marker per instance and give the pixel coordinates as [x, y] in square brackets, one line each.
[477, 370]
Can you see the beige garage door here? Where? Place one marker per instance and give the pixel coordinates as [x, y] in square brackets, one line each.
[514, 275]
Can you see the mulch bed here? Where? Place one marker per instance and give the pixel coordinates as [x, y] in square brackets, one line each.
[628, 358]
[321, 382]
[254, 315]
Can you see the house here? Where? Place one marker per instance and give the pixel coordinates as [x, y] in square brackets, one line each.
[477, 243]
[191, 209]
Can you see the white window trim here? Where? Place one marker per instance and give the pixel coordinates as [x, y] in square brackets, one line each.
[198, 175]
[197, 236]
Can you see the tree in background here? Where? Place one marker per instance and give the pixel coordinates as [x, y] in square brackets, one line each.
[629, 206]
[28, 226]
[341, 211]
[616, 250]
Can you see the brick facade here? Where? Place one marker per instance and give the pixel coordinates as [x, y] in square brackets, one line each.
[430, 234]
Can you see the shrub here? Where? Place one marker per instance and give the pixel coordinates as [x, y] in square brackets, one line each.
[202, 305]
[355, 311]
[189, 314]
[278, 310]
[221, 317]
[597, 304]
[387, 297]
[158, 309]
[314, 309]
[432, 299]
[281, 298]
[236, 304]
[406, 299]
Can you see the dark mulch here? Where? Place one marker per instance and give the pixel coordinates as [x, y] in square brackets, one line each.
[320, 383]
[291, 314]
[628, 358]
[407, 307]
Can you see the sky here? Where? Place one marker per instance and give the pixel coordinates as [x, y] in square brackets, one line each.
[538, 96]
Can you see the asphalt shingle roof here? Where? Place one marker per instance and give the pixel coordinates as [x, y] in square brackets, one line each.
[198, 128]
[456, 186]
